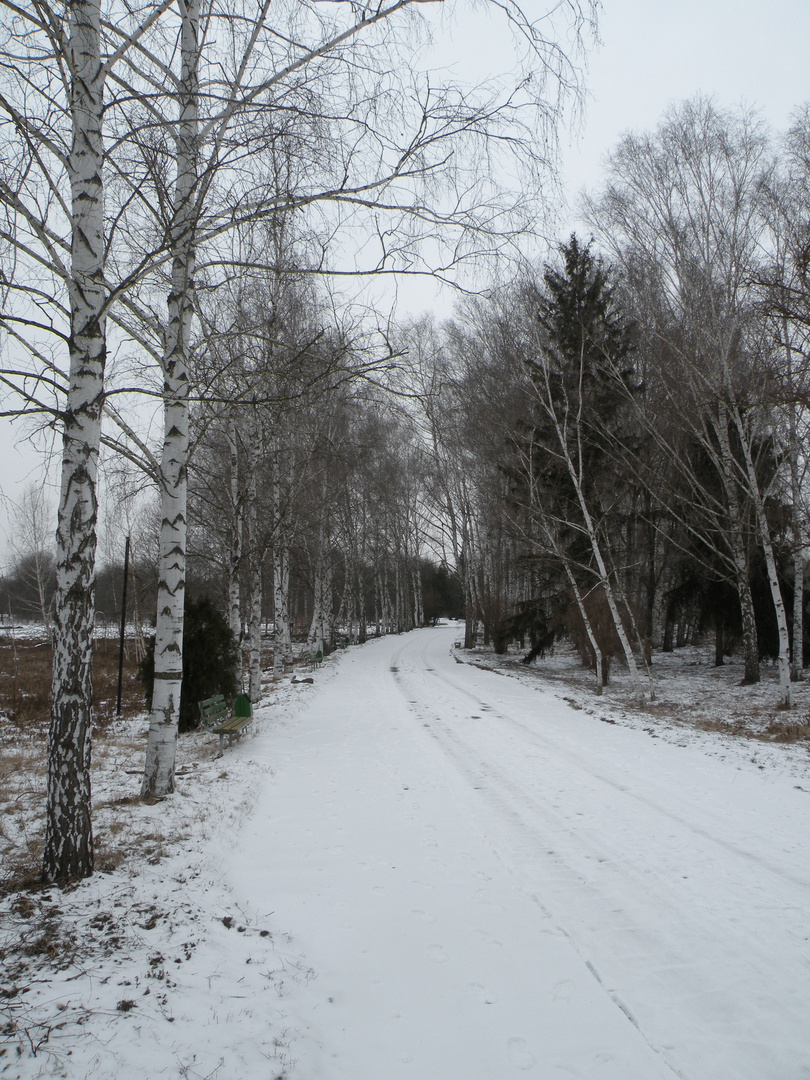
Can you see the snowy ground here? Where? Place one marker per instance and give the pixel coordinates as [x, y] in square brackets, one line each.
[417, 868]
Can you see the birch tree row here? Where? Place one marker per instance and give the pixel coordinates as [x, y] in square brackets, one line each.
[137, 145]
[639, 479]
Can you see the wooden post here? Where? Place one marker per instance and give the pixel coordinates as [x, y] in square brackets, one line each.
[123, 629]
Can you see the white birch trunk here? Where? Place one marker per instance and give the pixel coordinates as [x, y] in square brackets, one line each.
[737, 545]
[349, 601]
[770, 562]
[328, 623]
[69, 837]
[286, 644]
[419, 617]
[255, 629]
[158, 779]
[254, 556]
[399, 614]
[318, 629]
[278, 632]
[610, 597]
[282, 637]
[586, 622]
[590, 529]
[797, 656]
[235, 543]
[377, 602]
[281, 584]
[387, 611]
[317, 621]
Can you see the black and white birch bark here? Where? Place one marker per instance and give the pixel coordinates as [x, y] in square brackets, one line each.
[69, 837]
[234, 540]
[737, 545]
[783, 659]
[158, 779]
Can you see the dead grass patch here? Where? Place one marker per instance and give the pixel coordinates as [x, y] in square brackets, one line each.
[25, 684]
[784, 731]
[25, 680]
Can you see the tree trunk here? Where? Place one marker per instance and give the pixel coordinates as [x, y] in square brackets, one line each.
[161, 746]
[586, 622]
[281, 587]
[770, 562]
[286, 644]
[797, 653]
[321, 614]
[378, 611]
[719, 635]
[255, 553]
[235, 544]
[590, 529]
[737, 543]
[68, 850]
[255, 628]
[158, 779]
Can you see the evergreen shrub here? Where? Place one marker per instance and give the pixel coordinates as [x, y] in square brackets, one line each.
[210, 661]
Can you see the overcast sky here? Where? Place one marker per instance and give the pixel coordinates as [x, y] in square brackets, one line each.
[653, 53]
[656, 52]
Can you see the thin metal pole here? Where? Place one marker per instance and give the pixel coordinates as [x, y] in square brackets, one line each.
[123, 628]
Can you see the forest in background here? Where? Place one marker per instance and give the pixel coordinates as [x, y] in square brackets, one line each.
[609, 448]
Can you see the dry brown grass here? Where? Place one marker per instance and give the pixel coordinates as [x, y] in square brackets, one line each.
[25, 681]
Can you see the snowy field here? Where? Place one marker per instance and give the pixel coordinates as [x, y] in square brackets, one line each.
[419, 868]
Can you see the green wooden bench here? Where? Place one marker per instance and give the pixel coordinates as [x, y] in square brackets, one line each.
[219, 719]
[312, 660]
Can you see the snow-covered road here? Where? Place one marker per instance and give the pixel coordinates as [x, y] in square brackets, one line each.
[488, 883]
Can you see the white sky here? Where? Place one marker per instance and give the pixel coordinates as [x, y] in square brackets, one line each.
[653, 53]
[656, 52]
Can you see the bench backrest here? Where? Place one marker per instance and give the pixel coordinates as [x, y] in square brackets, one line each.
[214, 709]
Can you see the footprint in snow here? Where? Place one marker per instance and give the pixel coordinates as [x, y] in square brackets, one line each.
[486, 996]
[437, 953]
[519, 1053]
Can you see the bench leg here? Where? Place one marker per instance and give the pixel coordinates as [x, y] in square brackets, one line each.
[221, 745]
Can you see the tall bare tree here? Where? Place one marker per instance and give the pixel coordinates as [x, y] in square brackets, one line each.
[55, 66]
[375, 147]
[682, 212]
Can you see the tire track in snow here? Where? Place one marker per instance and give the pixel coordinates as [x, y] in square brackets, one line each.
[541, 741]
[700, 964]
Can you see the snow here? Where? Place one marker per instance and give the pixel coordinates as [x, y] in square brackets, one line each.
[420, 868]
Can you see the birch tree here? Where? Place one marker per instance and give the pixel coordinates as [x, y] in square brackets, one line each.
[579, 354]
[408, 158]
[785, 287]
[55, 66]
[683, 206]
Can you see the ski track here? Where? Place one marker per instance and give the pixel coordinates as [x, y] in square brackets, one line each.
[684, 912]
